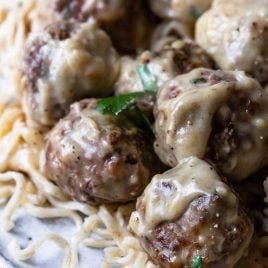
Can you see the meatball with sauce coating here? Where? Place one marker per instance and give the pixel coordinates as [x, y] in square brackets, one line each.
[162, 65]
[219, 115]
[99, 158]
[235, 34]
[128, 22]
[189, 212]
[176, 58]
[65, 63]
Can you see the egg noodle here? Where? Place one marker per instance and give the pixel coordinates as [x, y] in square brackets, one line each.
[24, 185]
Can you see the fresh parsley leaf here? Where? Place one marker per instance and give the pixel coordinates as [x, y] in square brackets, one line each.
[197, 262]
[116, 104]
[199, 80]
[195, 13]
[148, 80]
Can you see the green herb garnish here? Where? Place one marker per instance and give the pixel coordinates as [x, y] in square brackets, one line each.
[116, 104]
[195, 13]
[148, 80]
[199, 80]
[197, 262]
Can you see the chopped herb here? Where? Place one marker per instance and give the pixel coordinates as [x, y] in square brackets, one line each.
[148, 80]
[117, 104]
[197, 262]
[195, 13]
[199, 80]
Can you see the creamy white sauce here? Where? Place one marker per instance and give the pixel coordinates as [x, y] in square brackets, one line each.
[169, 195]
[184, 122]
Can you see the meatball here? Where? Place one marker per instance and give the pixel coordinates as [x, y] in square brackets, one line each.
[99, 158]
[185, 11]
[63, 64]
[178, 58]
[235, 34]
[164, 64]
[128, 22]
[219, 115]
[189, 212]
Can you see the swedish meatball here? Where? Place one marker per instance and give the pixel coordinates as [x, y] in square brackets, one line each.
[189, 212]
[163, 64]
[63, 64]
[99, 158]
[128, 22]
[219, 115]
[235, 34]
[185, 11]
[177, 58]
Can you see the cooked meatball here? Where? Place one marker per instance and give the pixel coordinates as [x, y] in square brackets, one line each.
[219, 115]
[164, 64]
[235, 34]
[127, 22]
[189, 212]
[63, 64]
[178, 58]
[185, 11]
[99, 158]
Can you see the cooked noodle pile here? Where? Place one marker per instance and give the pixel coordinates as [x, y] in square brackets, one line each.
[23, 184]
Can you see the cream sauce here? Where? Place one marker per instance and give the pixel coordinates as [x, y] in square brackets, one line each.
[234, 33]
[184, 122]
[169, 195]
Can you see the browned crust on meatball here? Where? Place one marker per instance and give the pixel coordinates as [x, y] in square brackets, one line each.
[90, 172]
[207, 217]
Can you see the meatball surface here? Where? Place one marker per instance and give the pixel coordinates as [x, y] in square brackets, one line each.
[128, 22]
[235, 34]
[186, 11]
[219, 115]
[63, 64]
[99, 158]
[189, 212]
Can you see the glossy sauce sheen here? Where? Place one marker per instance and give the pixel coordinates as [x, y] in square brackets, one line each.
[190, 106]
[169, 195]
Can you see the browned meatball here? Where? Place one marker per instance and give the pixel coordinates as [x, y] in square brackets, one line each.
[219, 115]
[128, 22]
[99, 158]
[63, 64]
[189, 212]
[179, 57]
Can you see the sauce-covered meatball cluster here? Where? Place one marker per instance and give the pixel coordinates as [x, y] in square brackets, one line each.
[214, 114]
[99, 158]
[189, 212]
[63, 64]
